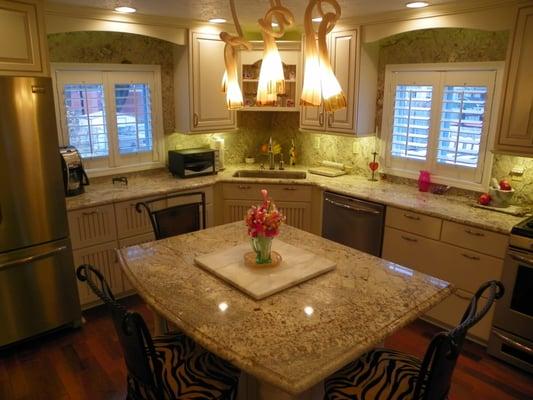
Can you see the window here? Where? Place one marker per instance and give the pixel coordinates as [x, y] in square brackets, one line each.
[438, 117]
[111, 114]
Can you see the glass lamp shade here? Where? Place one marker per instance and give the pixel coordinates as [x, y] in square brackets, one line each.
[312, 88]
[271, 76]
[230, 82]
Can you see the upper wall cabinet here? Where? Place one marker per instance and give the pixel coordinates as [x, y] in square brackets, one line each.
[289, 52]
[200, 103]
[22, 41]
[516, 125]
[356, 69]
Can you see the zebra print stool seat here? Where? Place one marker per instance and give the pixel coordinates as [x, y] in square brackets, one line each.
[380, 374]
[188, 372]
[383, 374]
[170, 367]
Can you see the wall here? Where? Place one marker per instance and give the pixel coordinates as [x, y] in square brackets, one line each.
[119, 48]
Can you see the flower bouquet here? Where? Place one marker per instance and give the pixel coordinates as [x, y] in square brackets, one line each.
[263, 222]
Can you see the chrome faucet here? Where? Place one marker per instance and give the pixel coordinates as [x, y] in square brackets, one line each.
[271, 164]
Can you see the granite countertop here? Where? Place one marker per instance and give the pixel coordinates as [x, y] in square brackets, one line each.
[160, 182]
[355, 307]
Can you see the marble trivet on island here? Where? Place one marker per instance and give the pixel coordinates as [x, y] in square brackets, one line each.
[297, 265]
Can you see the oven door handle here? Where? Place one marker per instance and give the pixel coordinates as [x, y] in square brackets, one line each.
[523, 259]
[514, 344]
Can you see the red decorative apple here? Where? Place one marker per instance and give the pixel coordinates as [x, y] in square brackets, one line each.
[505, 185]
[484, 199]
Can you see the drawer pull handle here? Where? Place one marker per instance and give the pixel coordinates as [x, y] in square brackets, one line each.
[244, 187]
[413, 217]
[409, 239]
[463, 297]
[474, 258]
[89, 213]
[474, 233]
[289, 188]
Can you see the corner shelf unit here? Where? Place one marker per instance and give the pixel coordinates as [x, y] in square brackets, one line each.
[250, 66]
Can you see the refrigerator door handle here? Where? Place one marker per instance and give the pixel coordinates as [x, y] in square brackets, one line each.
[27, 260]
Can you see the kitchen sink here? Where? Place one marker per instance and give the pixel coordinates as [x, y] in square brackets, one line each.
[266, 173]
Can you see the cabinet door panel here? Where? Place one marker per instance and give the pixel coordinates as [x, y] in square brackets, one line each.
[413, 222]
[491, 243]
[450, 311]
[235, 210]
[132, 241]
[132, 223]
[92, 226]
[297, 214]
[516, 133]
[344, 59]
[21, 38]
[208, 103]
[103, 258]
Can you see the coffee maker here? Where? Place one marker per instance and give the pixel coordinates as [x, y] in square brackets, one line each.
[74, 176]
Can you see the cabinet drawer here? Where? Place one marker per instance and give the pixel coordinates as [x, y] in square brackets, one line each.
[130, 222]
[410, 250]
[279, 192]
[494, 244]
[450, 311]
[465, 269]
[413, 222]
[91, 226]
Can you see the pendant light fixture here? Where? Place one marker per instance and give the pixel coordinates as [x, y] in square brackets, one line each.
[271, 75]
[320, 84]
[230, 81]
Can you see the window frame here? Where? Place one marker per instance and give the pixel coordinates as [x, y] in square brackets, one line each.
[114, 162]
[409, 168]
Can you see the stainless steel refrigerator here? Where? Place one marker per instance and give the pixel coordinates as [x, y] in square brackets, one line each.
[38, 290]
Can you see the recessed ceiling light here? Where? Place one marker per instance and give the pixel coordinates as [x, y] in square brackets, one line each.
[317, 19]
[275, 24]
[217, 20]
[417, 4]
[125, 9]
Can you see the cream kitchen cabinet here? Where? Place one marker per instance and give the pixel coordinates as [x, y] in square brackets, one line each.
[293, 200]
[460, 254]
[350, 61]
[104, 258]
[516, 124]
[198, 71]
[96, 233]
[23, 46]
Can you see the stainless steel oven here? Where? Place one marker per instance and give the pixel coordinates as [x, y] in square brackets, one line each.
[511, 337]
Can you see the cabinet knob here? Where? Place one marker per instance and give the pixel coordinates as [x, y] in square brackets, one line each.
[244, 187]
[289, 188]
[412, 217]
[474, 233]
[409, 239]
[321, 119]
[89, 213]
[473, 258]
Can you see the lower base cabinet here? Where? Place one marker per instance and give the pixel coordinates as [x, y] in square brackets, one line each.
[97, 232]
[465, 266]
[294, 201]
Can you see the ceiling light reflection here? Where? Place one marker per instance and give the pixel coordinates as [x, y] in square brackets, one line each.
[223, 306]
[417, 4]
[125, 9]
[309, 310]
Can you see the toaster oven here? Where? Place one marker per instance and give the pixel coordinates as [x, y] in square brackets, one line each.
[188, 163]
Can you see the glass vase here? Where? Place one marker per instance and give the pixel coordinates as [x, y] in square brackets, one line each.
[262, 245]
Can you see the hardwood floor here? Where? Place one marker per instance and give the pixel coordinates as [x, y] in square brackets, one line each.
[86, 364]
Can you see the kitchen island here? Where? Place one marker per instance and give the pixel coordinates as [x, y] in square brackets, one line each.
[294, 339]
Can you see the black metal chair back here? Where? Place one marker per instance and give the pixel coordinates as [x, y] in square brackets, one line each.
[443, 351]
[178, 219]
[133, 334]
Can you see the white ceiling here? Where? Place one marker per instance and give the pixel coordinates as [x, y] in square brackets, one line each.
[248, 10]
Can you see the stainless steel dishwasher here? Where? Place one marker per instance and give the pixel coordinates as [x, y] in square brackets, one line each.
[353, 222]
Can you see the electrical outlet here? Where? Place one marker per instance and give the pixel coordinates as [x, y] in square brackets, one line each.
[317, 142]
[354, 147]
[517, 173]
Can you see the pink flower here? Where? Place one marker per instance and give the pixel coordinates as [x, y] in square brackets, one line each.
[264, 219]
